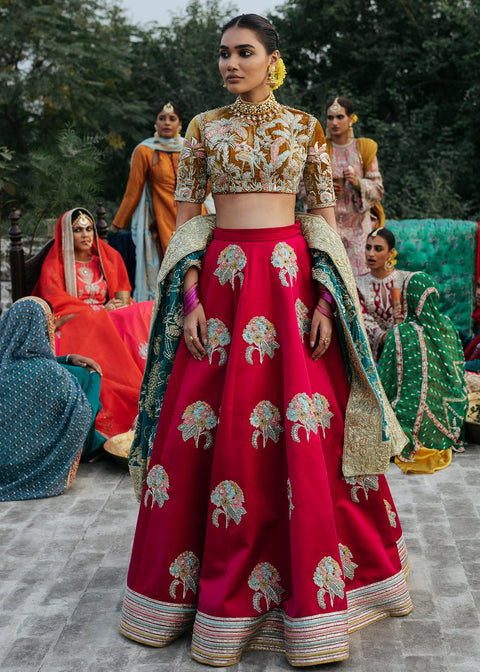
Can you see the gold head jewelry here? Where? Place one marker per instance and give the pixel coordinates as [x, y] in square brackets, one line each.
[335, 107]
[168, 109]
[83, 221]
[373, 234]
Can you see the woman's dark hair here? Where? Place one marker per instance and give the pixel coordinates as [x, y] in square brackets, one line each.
[386, 234]
[176, 109]
[262, 27]
[344, 102]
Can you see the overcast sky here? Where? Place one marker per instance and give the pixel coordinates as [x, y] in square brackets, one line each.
[143, 11]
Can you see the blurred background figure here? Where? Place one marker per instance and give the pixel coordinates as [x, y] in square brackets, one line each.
[149, 199]
[422, 372]
[356, 180]
[376, 288]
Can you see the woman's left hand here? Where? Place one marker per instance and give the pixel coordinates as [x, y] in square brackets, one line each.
[321, 332]
[85, 362]
[113, 304]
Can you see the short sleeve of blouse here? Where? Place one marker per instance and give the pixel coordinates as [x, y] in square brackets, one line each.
[317, 174]
[192, 166]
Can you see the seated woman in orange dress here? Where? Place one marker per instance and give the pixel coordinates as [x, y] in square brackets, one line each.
[86, 282]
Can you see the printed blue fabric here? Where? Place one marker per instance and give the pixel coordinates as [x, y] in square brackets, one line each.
[44, 414]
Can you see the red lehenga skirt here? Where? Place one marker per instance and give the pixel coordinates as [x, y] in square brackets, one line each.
[118, 341]
[247, 531]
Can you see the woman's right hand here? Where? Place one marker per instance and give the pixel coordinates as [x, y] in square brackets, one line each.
[397, 313]
[195, 332]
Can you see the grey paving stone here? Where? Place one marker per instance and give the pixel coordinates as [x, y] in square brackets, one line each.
[26, 653]
[65, 560]
[462, 643]
[426, 664]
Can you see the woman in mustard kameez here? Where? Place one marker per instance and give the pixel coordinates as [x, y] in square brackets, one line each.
[357, 182]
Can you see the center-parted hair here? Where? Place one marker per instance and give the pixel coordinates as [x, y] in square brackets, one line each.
[384, 233]
[262, 27]
[176, 109]
[344, 102]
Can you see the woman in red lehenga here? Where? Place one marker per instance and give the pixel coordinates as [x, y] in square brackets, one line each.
[86, 282]
[265, 521]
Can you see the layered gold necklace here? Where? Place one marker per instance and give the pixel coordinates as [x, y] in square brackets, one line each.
[256, 113]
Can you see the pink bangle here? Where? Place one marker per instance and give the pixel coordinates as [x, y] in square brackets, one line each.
[326, 296]
[322, 311]
[189, 289]
[191, 299]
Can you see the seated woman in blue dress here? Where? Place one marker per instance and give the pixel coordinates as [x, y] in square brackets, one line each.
[46, 419]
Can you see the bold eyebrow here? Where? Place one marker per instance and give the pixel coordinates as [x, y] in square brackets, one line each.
[238, 46]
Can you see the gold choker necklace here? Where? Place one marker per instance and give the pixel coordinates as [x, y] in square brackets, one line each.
[256, 113]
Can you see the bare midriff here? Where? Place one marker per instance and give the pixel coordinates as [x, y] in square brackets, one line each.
[254, 210]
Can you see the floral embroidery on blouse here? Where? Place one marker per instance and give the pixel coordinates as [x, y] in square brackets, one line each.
[198, 419]
[228, 498]
[365, 483]
[157, 486]
[230, 263]
[303, 320]
[265, 581]
[218, 336]
[348, 565]
[91, 285]
[194, 180]
[309, 414]
[186, 572]
[238, 158]
[267, 420]
[260, 334]
[290, 499]
[284, 258]
[143, 350]
[392, 516]
[328, 577]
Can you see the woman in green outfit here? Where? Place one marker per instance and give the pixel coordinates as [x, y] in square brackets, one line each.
[422, 371]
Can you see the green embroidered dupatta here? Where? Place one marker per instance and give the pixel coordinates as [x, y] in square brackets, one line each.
[372, 433]
[422, 371]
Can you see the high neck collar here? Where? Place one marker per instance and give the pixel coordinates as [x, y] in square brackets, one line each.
[256, 113]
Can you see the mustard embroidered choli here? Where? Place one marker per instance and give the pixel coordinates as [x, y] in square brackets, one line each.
[238, 157]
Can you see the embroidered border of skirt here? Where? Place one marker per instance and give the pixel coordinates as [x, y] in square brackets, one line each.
[305, 641]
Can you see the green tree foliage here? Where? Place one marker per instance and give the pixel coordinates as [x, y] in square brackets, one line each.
[64, 176]
[176, 63]
[412, 71]
[179, 62]
[7, 180]
[62, 63]
[411, 68]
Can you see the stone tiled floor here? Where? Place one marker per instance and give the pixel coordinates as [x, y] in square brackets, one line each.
[63, 564]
